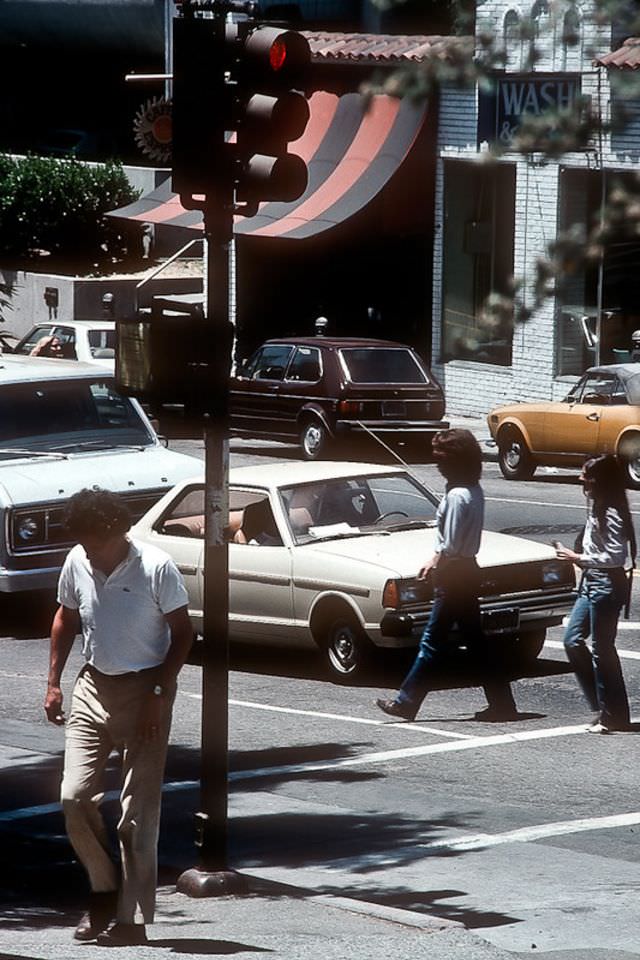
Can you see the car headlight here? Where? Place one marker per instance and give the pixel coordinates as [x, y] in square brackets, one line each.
[29, 529]
[555, 572]
[396, 593]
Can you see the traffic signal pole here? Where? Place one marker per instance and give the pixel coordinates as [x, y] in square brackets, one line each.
[212, 876]
[226, 80]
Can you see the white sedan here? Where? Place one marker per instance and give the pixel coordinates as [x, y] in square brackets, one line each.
[325, 555]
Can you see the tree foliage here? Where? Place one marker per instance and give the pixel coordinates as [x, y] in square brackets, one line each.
[58, 207]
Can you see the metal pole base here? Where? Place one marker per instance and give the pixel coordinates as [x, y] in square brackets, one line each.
[211, 883]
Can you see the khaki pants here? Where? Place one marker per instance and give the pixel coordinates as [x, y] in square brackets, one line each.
[103, 717]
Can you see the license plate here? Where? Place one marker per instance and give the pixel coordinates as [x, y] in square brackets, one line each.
[394, 408]
[501, 621]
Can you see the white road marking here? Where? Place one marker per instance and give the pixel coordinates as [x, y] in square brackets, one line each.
[338, 716]
[387, 756]
[546, 503]
[623, 654]
[541, 832]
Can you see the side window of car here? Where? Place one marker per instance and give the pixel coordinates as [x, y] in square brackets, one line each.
[29, 343]
[186, 515]
[67, 337]
[251, 519]
[305, 365]
[598, 390]
[618, 394]
[271, 362]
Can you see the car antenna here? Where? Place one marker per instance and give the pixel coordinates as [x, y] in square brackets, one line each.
[387, 448]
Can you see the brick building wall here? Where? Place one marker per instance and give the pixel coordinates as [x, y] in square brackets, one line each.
[473, 388]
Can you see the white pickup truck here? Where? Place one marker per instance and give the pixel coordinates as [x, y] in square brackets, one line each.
[64, 427]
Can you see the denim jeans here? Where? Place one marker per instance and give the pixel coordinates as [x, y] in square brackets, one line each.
[601, 597]
[455, 601]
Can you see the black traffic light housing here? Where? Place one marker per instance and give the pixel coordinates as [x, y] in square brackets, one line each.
[270, 112]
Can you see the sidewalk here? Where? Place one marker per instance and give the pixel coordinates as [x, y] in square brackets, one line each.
[289, 921]
[480, 430]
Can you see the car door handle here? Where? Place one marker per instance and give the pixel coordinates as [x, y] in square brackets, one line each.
[593, 416]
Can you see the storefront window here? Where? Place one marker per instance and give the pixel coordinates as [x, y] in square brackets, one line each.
[591, 327]
[478, 262]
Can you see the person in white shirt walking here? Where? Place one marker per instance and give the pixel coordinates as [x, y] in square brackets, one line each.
[129, 602]
[604, 591]
[456, 583]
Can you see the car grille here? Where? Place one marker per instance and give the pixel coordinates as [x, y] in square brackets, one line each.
[46, 520]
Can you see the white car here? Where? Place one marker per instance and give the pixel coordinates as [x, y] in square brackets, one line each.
[64, 426]
[92, 341]
[325, 555]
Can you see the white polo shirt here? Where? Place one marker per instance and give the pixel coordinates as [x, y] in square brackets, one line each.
[123, 614]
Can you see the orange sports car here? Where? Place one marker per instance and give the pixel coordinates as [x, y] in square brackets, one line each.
[601, 414]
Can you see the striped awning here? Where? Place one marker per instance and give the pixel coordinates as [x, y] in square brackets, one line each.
[351, 149]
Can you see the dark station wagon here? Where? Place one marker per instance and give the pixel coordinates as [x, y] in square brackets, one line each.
[317, 390]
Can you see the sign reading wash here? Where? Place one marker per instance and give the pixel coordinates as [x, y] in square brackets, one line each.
[514, 95]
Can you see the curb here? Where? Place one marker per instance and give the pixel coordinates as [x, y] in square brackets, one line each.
[377, 911]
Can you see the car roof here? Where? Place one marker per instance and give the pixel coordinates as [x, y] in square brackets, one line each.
[14, 368]
[629, 373]
[337, 342]
[87, 324]
[290, 474]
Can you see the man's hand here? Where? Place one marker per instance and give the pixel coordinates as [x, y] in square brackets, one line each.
[53, 705]
[150, 717]
[424, 571]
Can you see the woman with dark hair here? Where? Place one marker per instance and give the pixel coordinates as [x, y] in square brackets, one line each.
[456, 581]
[603, 592]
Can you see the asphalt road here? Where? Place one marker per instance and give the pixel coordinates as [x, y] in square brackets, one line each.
[526, 832]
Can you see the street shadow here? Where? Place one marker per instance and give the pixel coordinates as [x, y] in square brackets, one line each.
[205, 947]
[430, 902]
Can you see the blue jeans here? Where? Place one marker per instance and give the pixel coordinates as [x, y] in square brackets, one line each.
[601, 596]
[455, 601]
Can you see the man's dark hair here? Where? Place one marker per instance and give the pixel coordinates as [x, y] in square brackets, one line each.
[98, 513]
[458, 454]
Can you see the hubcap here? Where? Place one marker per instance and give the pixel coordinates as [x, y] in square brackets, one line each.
[342, 650]
[634, 469]
[513, 455]
[312, 438]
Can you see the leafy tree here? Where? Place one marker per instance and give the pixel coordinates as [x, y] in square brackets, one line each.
[58, 207]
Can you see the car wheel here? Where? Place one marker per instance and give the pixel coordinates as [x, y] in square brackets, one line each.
[629, 454]
[516, 462]
[347, 648]
[314, 439]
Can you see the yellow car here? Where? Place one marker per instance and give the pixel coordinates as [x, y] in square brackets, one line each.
[601, 414]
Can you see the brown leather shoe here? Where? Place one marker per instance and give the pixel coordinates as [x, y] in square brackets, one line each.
[396, 709]
[102, 910]
[123, 935]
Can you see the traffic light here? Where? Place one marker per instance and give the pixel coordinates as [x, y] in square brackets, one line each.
[268, 68]
[200, 107]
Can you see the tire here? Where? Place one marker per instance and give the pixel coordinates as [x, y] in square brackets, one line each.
[629, 454]
[347, 649]
[514, 458]
[314, 439]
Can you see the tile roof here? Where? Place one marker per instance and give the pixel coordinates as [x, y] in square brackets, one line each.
[374, 48]
[627, 57]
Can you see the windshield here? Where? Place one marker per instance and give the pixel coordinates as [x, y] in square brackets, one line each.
[382, 365]
[353, 506]
[68, 414]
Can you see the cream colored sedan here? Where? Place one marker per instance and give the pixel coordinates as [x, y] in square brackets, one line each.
[325, 555]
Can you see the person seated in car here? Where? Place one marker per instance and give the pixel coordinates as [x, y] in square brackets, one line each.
[258, 526]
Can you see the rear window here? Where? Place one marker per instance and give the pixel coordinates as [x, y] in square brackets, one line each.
[382, 365]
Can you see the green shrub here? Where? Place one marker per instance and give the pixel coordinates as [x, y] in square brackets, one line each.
[58, 206]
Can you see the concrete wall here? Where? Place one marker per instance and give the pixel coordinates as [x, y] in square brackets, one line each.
[81, 298]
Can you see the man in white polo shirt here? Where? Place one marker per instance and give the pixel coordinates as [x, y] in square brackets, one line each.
[130, 604]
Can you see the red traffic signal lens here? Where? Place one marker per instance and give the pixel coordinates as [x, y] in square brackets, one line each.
[277, 54]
